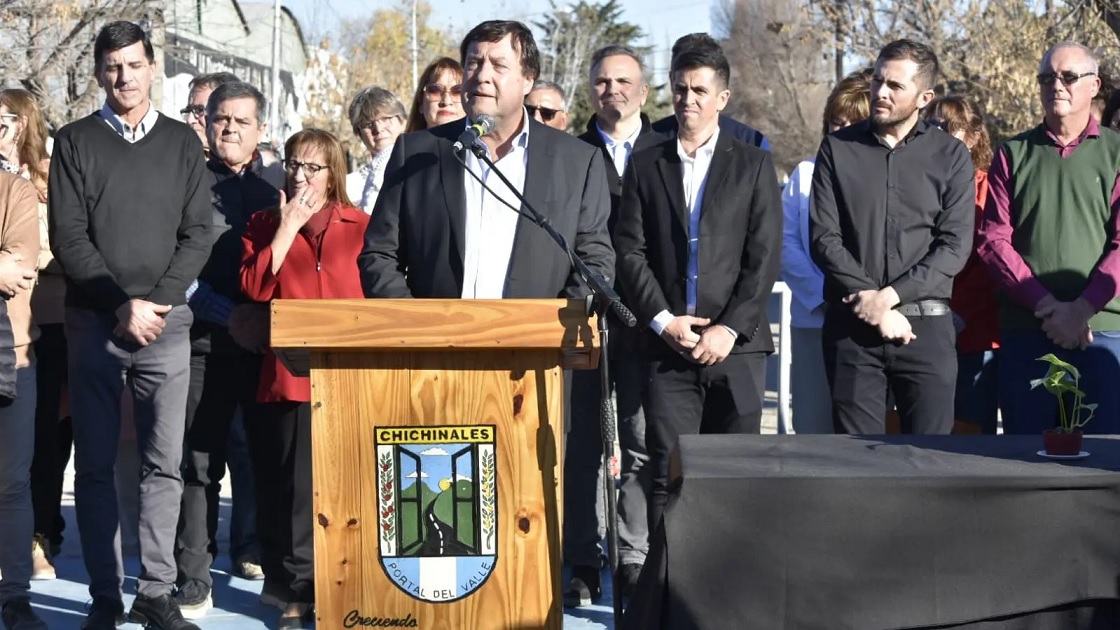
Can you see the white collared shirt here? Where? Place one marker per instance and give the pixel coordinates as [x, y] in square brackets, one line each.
[126, 131]
[694, 176]
[620, 150]
[490, 224]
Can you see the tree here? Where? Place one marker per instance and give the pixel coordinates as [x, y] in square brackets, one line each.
[570, 36]
[48, 49]
[373, 51]
[989, 49]
[780, 79]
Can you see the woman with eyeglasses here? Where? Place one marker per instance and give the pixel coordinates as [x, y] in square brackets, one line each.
[975, 311]
[377, 117]
[439, 99]
[305, 249]
[38, 317]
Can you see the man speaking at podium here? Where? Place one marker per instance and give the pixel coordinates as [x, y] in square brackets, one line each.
[436, 233]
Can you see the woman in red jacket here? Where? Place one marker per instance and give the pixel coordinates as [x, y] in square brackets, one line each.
[975, 311]
[306, 248]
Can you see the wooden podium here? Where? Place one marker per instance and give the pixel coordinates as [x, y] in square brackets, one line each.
[437, 445]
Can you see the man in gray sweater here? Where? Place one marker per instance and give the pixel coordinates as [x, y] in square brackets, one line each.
[130, 222]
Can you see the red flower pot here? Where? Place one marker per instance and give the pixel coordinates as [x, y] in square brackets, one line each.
[1060, 443]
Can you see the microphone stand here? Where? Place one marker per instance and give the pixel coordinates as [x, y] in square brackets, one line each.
[603, 300]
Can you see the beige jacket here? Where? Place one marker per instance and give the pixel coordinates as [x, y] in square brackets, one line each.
[19, 234]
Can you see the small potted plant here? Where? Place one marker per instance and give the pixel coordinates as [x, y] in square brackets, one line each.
[1062, 381]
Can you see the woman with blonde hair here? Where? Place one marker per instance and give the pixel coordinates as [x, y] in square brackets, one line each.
[849, 102]
[38, 316]
[304, 249]
[19, 240]
[975, 311]
[439, 99]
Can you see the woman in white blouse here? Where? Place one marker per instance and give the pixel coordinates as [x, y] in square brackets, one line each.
[848, 103]
[377, 117]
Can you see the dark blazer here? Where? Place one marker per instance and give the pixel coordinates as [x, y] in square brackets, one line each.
[646, 138]
[739, 241]
[734, 128]
[415, 241]
[624, 341]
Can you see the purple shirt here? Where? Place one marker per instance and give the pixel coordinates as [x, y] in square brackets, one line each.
[1008, 268]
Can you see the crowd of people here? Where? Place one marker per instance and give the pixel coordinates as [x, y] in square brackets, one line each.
[138, 256]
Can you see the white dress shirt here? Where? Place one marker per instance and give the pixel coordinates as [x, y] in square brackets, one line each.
[694, 174]
[490, 224]
[620, 150]
[126, 131]
[804, 278]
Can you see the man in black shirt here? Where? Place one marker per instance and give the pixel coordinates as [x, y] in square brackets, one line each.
[891, 224]
[130, 224]
[227, 341]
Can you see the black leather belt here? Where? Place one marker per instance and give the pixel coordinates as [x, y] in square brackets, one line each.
[924, 308]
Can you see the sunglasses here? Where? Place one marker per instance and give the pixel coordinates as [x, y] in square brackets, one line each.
[311, 170]
[1067, 78]
[546, 114]
[198, 111]
[435, 91]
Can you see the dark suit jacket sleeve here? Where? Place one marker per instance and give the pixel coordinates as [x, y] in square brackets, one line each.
[634, 273]
[762, 255]
[384, 260]
[826, 242]
[952, 233]
[593, 240]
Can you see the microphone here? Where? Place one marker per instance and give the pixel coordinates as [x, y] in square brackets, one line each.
[481, 127]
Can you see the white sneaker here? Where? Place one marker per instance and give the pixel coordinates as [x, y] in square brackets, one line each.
[41, 567]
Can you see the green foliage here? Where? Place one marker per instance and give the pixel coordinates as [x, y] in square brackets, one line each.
[570, 35]
[1063, 378]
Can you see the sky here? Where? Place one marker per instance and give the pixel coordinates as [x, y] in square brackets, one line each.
[662, 20]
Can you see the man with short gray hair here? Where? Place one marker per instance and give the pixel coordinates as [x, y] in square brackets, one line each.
[1050, 236]
[227, 341]
[548, 104]
[618, 90]
[194, 114]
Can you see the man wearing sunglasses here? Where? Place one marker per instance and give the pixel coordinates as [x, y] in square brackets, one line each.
[1051, 239]
[548, 105]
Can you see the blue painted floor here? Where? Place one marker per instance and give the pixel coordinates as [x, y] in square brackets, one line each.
[62, 602]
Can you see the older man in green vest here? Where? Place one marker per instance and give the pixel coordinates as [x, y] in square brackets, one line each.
[1050, 239]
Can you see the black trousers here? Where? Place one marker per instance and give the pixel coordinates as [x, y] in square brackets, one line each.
[280, 443]
[53, 437]
[683, 398]
[861, 367]
[220, 384]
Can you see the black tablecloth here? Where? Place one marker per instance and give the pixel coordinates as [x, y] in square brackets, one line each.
[847, 532]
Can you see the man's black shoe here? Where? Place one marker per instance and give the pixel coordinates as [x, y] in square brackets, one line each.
[105, 613]
[158, 613]
[585, 587]
[17, 615]
[628, 579]
[194, 599]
